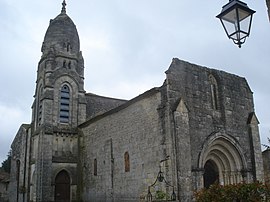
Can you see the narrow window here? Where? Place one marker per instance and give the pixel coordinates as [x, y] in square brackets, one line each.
[127, 163]
[39, 113]
[18, 165]
[64, 104]
[68, 47]
[39, 110]
[64, 64]
[95, 167]
[18, 170]
[214, 92]
[214, 95]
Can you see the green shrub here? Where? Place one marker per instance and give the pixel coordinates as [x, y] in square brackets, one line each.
[160, 195]
[242, 192]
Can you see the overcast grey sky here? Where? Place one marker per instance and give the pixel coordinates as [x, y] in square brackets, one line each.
[127, 46]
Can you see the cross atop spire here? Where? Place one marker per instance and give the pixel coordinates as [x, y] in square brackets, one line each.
[63, 11]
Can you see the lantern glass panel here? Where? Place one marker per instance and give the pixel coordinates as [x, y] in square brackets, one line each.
[242, 14]
[230, 17]
[230, 23]
[245, 24]
[230, 28]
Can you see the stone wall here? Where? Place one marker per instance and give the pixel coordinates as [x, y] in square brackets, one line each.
[234, 103]
[4, 182]
[97, 105]
[134, 128]
[19, 185]
[266, 165]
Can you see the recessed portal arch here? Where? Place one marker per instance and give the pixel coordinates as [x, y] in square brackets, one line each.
[222, 160]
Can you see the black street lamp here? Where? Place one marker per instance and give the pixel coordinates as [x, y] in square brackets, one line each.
[161, 178]
[236, 18]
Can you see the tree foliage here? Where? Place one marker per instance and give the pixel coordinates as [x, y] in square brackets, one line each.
[242, 192]
[267, 146]
[6, 164]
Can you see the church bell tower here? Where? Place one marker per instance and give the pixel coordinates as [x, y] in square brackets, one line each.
[59, 107]
[59, 95]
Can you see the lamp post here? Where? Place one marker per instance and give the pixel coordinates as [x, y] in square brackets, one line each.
[236, 18]
[161, 178]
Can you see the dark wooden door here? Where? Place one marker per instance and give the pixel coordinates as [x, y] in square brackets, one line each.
[62, 187]
[211, 175]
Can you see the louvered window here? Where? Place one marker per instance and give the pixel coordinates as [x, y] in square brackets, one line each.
[64, 104]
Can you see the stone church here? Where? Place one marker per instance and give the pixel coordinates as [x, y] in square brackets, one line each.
[196, 129]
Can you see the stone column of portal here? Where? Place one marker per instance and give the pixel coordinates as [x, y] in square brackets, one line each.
[197, 179]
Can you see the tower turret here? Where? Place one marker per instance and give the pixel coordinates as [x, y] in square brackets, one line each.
[61, 35]
[59, 95]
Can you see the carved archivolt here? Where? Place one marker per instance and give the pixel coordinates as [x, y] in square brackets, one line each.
[226, 154]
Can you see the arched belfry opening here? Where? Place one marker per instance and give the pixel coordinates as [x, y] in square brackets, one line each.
[222, 160]
[211, 174]
[62, 187]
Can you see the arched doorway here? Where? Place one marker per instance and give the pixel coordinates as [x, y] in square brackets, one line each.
[211, 174]
[222, 160]
[62, 187]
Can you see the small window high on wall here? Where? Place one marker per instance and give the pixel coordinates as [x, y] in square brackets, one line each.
[95, 167]
[64, 104]
[214, 92]
[127, 162]
[18, 167]
[39, 106]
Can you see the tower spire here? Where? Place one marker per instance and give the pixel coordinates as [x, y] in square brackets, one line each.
[63, 11]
